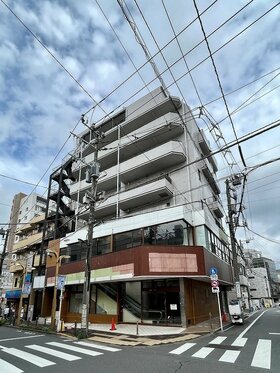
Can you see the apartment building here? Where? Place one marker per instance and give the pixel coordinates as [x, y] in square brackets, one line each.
[158, 227]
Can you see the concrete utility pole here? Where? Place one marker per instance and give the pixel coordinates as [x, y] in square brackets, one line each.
[2, 255]
[231, 212]
[92, 175]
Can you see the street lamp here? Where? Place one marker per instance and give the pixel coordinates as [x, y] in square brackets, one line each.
[58, 264]
[24, 271]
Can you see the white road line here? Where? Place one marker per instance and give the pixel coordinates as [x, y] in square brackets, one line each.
[74, 348]
[229, 356]
[33, 359]
[100, 347]
[9, 368]
[50, 351]
[239, 342]
[30, 336]
[183, 348]
[274, 333]
[262, 356]
[203, 352]
[217, 340]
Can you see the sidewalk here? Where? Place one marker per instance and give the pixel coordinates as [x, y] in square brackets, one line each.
[146, 335]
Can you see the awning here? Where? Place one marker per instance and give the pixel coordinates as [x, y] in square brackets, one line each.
[13, 294]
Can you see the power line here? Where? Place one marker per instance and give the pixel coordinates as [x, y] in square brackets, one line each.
[23, 181]
[53, 56]
[265, 238]
[219, 81]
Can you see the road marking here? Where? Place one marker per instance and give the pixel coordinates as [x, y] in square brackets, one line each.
[203, 352]
[239, 342]
[262, 356]
[229, 356]
[250, 326]
[183, 348]
[50, 351]
[100, 347]
[33, 359]
[274, 333]
[9, 368]
[74, 348]
[217, 341]
[30, 336]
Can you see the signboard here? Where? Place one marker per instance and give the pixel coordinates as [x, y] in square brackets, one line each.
[27, 284]
[216, 290]
[173, 307]
[238, 289]
[213, 271]
[60, 282]
[214, 283]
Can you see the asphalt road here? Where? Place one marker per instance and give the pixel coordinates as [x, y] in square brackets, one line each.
[249, 348]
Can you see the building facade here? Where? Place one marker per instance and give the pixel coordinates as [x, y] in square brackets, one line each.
[158, 227]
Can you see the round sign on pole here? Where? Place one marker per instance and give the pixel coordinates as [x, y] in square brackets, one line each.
[213, 271]
[215, 283]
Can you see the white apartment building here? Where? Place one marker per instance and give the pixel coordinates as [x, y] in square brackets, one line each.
[161, 229]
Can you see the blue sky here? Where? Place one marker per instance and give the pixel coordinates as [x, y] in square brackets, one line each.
[40, 103]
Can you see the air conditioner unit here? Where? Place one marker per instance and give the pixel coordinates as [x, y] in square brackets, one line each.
[14, 256]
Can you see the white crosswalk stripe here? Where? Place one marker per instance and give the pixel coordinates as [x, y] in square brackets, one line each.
[33, 359]
[74, 348]
[217, 340]
[229, 356]
[203, 352]
[183, 348]
[50, 351]
[9, 368]
[262, 356]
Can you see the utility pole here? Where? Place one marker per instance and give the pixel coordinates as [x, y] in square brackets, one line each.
[231, 213]
[2, 255]
[92, 175]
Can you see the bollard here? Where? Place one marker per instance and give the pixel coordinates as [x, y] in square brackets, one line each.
[75, 328]
[137, 328]
[45, 322]
[36, 323]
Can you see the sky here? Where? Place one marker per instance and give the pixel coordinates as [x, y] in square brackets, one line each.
[91, 55]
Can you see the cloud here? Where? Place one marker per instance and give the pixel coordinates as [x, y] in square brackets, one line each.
[41, 103]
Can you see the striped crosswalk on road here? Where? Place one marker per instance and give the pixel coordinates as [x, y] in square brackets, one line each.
[51, 351]
[229, 353]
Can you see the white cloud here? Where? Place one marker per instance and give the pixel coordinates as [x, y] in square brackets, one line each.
[41, 103]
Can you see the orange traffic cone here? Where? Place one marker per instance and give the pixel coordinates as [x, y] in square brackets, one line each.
[224, 317]
[113, 326]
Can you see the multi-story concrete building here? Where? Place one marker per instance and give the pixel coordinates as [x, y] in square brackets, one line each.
[262, 275]
[158, 227]
[23, 211]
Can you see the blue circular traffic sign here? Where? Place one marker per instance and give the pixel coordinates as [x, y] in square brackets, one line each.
[213, 271]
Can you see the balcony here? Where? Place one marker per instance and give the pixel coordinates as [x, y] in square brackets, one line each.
[138, 196]
[217, 209]
[157, 159]
[162, 129]
[28, 241]
[209, 174]
[205, 147]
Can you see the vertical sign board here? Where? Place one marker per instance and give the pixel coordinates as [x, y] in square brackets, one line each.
[238, 289]
[215, 289]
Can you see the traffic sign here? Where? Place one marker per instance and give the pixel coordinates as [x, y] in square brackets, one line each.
[213, 277]
[214, 283]
[216, 290]
[60, 282]
[213, 271]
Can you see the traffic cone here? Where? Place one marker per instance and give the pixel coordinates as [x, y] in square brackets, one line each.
[224, 317]
[113, 326]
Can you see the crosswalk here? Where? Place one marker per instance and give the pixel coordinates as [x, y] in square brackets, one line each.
[229, 353]
[39, 355]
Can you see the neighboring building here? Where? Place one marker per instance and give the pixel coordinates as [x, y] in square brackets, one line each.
[262, 275]
[24, 209]
[159, 228]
